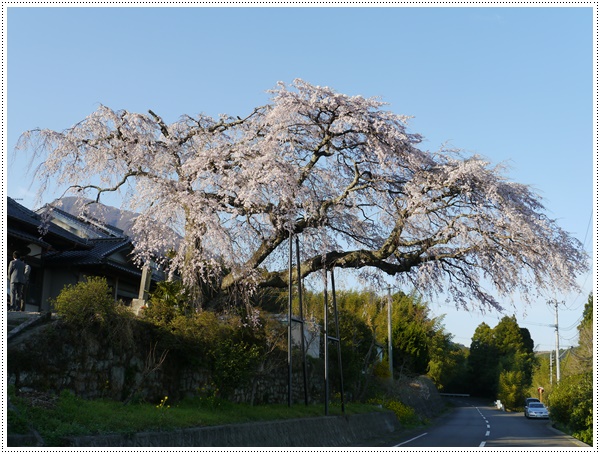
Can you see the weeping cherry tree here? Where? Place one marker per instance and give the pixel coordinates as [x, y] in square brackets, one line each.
[222, 196]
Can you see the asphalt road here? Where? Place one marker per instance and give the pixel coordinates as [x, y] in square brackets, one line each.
[474, 423]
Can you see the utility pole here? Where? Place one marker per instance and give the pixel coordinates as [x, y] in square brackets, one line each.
[557, 343]
[551, 375]
[390, 333]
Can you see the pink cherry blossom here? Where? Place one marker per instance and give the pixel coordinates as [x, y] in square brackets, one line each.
[340, 171]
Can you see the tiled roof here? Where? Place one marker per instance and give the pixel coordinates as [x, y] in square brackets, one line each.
[27, 237]
[18, 211]
[99, 254]
[85, 222]
[101, 249]
[25, 222]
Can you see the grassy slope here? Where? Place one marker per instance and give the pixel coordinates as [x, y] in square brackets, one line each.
[68, 415]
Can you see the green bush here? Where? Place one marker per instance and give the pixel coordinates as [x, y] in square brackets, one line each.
[16, 422]
[86, 303]
[381, 369]
[234, 363]
[169, 300]
[405, 414]
[571, 405]
[220, 342]
[89, 305]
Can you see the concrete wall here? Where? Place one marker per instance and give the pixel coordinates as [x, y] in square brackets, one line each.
[326, 431]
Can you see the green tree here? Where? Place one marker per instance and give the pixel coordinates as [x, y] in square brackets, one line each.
[541, 375]
[584, 353]
[358, 353]
[420, 343]
[448, 364]
[588, 311]
[505, 348]
[416, 336]
[410, 341]
[515, 348]
[483, 362]
[510, 389]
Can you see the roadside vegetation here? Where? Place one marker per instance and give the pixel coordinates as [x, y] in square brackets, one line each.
[571, 400]
[67, 415]
[502, 365]
[240, 346]
[237, 350]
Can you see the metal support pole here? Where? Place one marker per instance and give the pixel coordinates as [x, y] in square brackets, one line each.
[557, 346]
[292, 319]
[325, 343]
[302, 339]
[390, 352]
[339, 342]
[290, 288]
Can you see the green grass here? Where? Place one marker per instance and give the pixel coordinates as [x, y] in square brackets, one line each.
[73, 416]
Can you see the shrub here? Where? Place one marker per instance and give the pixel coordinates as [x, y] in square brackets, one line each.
[16, 423]
[234, 363]
[168, 301]
[221, 343]
[194, 336]
[89, 304]
[381, 369]
[406, 415]
[86, 303]
[571, 405]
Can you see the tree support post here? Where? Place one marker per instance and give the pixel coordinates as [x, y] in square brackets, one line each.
[390, 352]
[327, 338]
[292, 319]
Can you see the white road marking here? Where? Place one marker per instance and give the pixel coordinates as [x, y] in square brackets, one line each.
[408, 441]
[487, 433]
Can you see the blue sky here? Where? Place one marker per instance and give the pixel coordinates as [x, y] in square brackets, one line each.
[512, 84]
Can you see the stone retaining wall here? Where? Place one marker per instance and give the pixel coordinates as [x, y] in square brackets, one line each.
[50, 358]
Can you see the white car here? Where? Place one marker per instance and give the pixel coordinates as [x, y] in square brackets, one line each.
[536, 410]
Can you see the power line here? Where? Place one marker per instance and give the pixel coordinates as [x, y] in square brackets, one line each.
[571, 307]
[569, 338]
[577, 322]
[588, 227]
[545, 325]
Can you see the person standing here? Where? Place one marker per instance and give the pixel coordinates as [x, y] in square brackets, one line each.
[16, 275]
